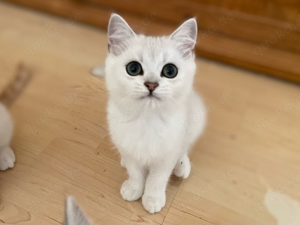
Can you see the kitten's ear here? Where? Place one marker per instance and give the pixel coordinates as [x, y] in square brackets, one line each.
[74, 215]
[185, 37]
[119, 33]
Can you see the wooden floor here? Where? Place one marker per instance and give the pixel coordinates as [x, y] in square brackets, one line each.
[251, 144]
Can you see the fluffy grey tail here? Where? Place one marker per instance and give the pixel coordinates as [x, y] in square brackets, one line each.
[14, 88]
[74, 215]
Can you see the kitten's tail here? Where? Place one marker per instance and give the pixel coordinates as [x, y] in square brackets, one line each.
[15, 87]
[98, 71]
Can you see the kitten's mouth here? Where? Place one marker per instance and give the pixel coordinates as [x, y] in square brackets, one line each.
[150, 96]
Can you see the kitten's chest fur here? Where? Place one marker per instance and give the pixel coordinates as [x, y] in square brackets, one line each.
[147, 134]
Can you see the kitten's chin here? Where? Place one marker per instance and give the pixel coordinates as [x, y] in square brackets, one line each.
[152, 101]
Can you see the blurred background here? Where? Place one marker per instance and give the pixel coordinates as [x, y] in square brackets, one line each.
[259, 35]
[245, 167]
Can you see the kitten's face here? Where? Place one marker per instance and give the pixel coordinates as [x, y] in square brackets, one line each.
[148, 70]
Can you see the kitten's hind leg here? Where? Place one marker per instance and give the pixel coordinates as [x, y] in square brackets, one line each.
[133, 188]
[7, 158]
[183, 167]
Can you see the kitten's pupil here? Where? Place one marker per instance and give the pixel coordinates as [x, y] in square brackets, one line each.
[134, 68]
[170, 70]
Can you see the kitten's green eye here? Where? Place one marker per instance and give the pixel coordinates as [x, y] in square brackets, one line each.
[134, 68]
[169, 71]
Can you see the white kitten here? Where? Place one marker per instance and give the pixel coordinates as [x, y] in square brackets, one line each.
[7, 156]
[74, 215]
[154, 114]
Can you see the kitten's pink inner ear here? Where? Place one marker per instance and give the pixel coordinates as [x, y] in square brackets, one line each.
[185, 37]
[119, 34]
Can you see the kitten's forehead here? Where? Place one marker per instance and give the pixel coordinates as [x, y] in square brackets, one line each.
[153, 50]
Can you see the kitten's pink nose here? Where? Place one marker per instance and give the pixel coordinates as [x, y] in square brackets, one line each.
[151, 86]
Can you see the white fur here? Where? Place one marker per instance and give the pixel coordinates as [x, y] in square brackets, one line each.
[152, 134]
[7, 156]
[98, 71]
[74, 215]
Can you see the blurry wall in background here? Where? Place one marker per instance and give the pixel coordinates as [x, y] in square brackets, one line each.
[261, 35]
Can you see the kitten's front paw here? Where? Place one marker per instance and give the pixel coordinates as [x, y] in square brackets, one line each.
[154, 204]
[132, 190]
[7, 158]
[183, 168]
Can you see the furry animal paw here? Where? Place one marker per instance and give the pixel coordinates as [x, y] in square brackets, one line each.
[183, 167]
[154, 204]
[131, 190]
[7, 158]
